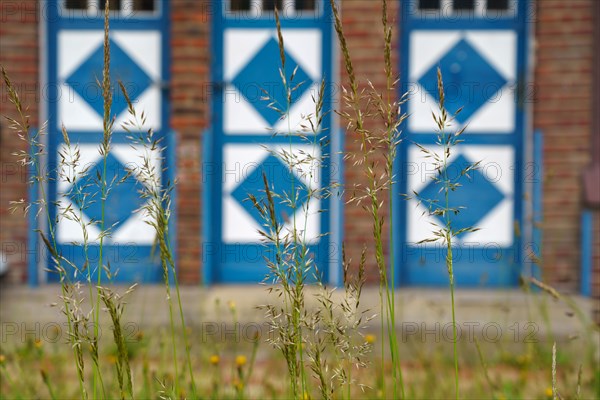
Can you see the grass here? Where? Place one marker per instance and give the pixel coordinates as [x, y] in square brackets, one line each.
[445, 233]
[321, 338]
[514, 373]
[372, 196]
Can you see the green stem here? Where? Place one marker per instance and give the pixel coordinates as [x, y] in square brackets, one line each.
[449, 256]
[381, 307]
[454, 336]
[97, 370]
[60, 268]
[105, 146]
[100, 256]
[172, 324]
[180, 305]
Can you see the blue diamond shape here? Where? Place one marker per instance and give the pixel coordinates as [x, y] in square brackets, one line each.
[475, 198]
[122, 68]
[469, 80]
[262, 73]
[123, 198]
[281, 180]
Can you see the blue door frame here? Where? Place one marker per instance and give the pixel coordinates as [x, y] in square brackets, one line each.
[233, 251]
[140, 57]
[492, 257]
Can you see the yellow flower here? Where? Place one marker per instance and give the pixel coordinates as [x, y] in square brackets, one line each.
[549, 392]
[2, 358]
[240, 361]
[239, 385]
[214, 359]
[231, 305]
[38, 343]
[524, 359]
[54, 332]
[370, 339]
[112, 359]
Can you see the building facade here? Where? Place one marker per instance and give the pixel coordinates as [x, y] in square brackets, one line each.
[523, 73]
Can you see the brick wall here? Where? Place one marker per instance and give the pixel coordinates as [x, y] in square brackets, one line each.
[563, 111]
[190, 91]
[362, 26]
[19, 56]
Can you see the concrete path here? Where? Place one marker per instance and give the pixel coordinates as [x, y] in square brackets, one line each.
[418, 311]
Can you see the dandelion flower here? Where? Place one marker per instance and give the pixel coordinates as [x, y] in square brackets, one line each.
[240, 361]
[370, 339]
[549, 392]
[214, 359]
[231, 305]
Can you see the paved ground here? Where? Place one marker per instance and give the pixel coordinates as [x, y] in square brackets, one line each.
[419, 311]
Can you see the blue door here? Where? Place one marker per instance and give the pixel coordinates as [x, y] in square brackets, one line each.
[242, 146]
[481, 47]
[139, 44]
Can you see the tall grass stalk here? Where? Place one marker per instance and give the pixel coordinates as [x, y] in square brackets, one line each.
[157, 208]
[291, 266]
[484, 365]
[299, 252]
[445, 233]
[578, 389]
[73, 173]
[115, 308]
[31, 158]
[48, 384]
[374, 146]
[314, 339]
[554, 391]
[447, 187]
[107, 129]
